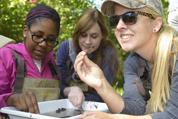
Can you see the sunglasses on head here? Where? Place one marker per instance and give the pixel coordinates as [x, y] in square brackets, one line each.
[129, 18]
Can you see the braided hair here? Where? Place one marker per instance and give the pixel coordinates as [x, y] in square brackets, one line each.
[42, 11]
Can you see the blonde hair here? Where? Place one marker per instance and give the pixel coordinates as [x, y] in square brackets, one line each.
[161, 69]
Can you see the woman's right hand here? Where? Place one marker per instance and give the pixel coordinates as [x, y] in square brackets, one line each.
[88, 71]
[76, 96]
[25, 102]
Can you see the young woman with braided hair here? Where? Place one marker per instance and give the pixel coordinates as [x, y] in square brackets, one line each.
[27, 72]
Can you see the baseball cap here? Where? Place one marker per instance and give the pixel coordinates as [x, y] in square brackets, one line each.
[151, 5]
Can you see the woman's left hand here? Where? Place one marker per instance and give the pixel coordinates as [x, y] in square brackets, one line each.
[88, 71]
[97, 115]
[104, 115]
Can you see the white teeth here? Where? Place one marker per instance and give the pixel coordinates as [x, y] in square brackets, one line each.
[125, 36]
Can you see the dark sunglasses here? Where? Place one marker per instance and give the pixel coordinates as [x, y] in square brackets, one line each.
[129, 18]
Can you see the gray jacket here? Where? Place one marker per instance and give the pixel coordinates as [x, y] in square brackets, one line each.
[137, 85]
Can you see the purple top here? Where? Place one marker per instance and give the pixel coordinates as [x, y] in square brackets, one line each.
[8, 68]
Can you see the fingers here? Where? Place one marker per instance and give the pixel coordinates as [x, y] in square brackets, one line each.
[96, 115]
[76, 96]
[88, 62]
[21, 103]
[87, 115]
[82, 65]
[79, 59]
[82, 62]
[26, 102]
[31, 102]
[17, 101]
[79, 101]
[76, 101]
[79, 64]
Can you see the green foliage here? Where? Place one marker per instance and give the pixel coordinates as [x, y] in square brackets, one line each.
[11, 18]
[165, 5]
[13, 13]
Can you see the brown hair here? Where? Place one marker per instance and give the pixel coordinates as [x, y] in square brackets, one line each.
[85, 22]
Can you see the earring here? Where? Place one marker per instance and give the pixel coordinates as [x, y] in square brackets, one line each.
[154, 30]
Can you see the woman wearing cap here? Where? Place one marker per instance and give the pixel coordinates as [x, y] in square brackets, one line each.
[26, 72]
[151, 69]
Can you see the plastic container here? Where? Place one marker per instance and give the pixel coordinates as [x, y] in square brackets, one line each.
[52, 106]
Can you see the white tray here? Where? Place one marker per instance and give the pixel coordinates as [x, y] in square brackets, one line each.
[49, 106]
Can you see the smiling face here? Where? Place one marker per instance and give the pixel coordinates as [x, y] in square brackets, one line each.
[43, 28]
[90, 40]
[136, 37]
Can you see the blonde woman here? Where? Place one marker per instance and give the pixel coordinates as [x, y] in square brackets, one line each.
[151, 69]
